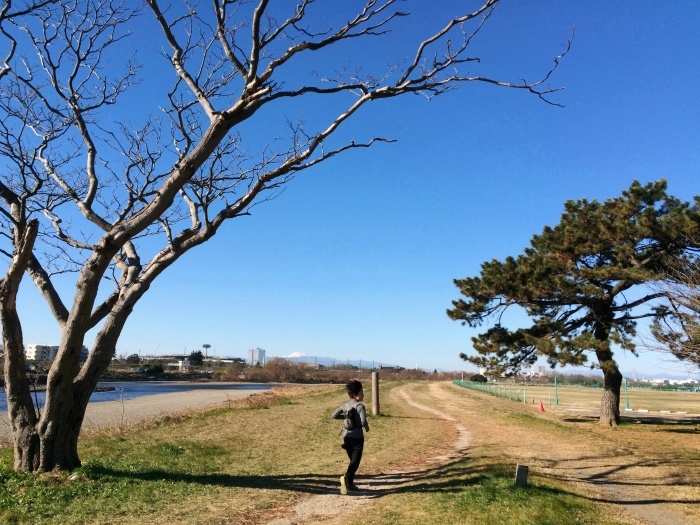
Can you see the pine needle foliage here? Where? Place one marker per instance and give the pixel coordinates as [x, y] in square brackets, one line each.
[582, 283]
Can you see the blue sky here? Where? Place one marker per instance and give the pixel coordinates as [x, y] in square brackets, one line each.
[356, 258]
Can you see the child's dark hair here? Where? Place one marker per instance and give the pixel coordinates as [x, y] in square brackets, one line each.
[354, 387]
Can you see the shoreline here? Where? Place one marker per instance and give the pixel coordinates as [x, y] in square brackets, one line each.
[114, 414]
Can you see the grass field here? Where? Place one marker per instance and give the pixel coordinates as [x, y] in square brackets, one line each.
[253, 462]
[589, 398]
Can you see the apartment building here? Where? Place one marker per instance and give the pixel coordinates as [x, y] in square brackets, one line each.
[40, 352]
[35, 352]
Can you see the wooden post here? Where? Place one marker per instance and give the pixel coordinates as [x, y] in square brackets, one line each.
[375, 393]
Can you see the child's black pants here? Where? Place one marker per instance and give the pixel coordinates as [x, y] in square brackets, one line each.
[353, 446]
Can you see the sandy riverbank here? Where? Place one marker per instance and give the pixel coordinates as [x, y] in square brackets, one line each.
[107, 414]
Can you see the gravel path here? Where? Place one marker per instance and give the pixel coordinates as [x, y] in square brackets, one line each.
[614, 475]
[110, 414]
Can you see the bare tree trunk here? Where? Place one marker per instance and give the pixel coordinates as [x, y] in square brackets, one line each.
[60, 429]
[20, 407]
[51, 441]
[52, 445]
[59, 439]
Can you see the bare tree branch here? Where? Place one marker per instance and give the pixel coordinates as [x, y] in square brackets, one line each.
[86, 191]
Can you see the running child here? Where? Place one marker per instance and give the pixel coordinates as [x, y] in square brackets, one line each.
[355, 419]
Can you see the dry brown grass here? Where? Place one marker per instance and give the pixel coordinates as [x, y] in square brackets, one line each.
[267, 452]
[639, 462]
[589, 398]
[253, 459]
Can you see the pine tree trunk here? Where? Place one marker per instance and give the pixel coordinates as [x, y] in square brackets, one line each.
[610, 403]
[612, 378]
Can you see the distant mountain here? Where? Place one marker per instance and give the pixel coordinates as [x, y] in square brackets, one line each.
[298, 357]
[630, 374]
[660, 375]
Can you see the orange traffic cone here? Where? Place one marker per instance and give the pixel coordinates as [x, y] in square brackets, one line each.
[541, 407]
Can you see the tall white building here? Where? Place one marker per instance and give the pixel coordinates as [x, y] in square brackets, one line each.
[256, 356]
[538, 370]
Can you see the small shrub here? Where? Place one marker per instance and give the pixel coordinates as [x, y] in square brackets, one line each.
[155, 368]
[232, 372]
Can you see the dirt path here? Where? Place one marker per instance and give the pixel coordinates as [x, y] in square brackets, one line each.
[653, 490]
[317, 509]
[607, 465]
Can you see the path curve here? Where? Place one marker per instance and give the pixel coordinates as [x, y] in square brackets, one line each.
[637, 496]
[316, 509]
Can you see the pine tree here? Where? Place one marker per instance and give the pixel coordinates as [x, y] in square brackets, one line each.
[582, 285]
[196, 358]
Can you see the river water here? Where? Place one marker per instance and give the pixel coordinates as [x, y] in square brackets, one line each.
[123, 391]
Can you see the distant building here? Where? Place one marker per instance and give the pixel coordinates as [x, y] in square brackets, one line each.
[256, 356]
[48, 353]
[181, 364]
[538, 371]
[40, 352]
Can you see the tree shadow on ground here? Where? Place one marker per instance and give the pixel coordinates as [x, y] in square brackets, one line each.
[447, 478]
[619, 476]
[411, 417]
[452, 477]
[652, 419]
[682, 430]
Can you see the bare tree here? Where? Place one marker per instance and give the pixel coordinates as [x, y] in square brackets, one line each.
[678, 332]
[85, 190]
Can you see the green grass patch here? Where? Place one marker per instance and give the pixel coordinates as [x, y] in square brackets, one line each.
[466, 494]
[239, 463]
[255, 459]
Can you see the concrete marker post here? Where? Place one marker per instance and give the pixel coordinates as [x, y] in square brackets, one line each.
[521, 475]
[375, 393]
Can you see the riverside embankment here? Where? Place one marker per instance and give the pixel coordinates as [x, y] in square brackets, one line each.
[131, 403]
